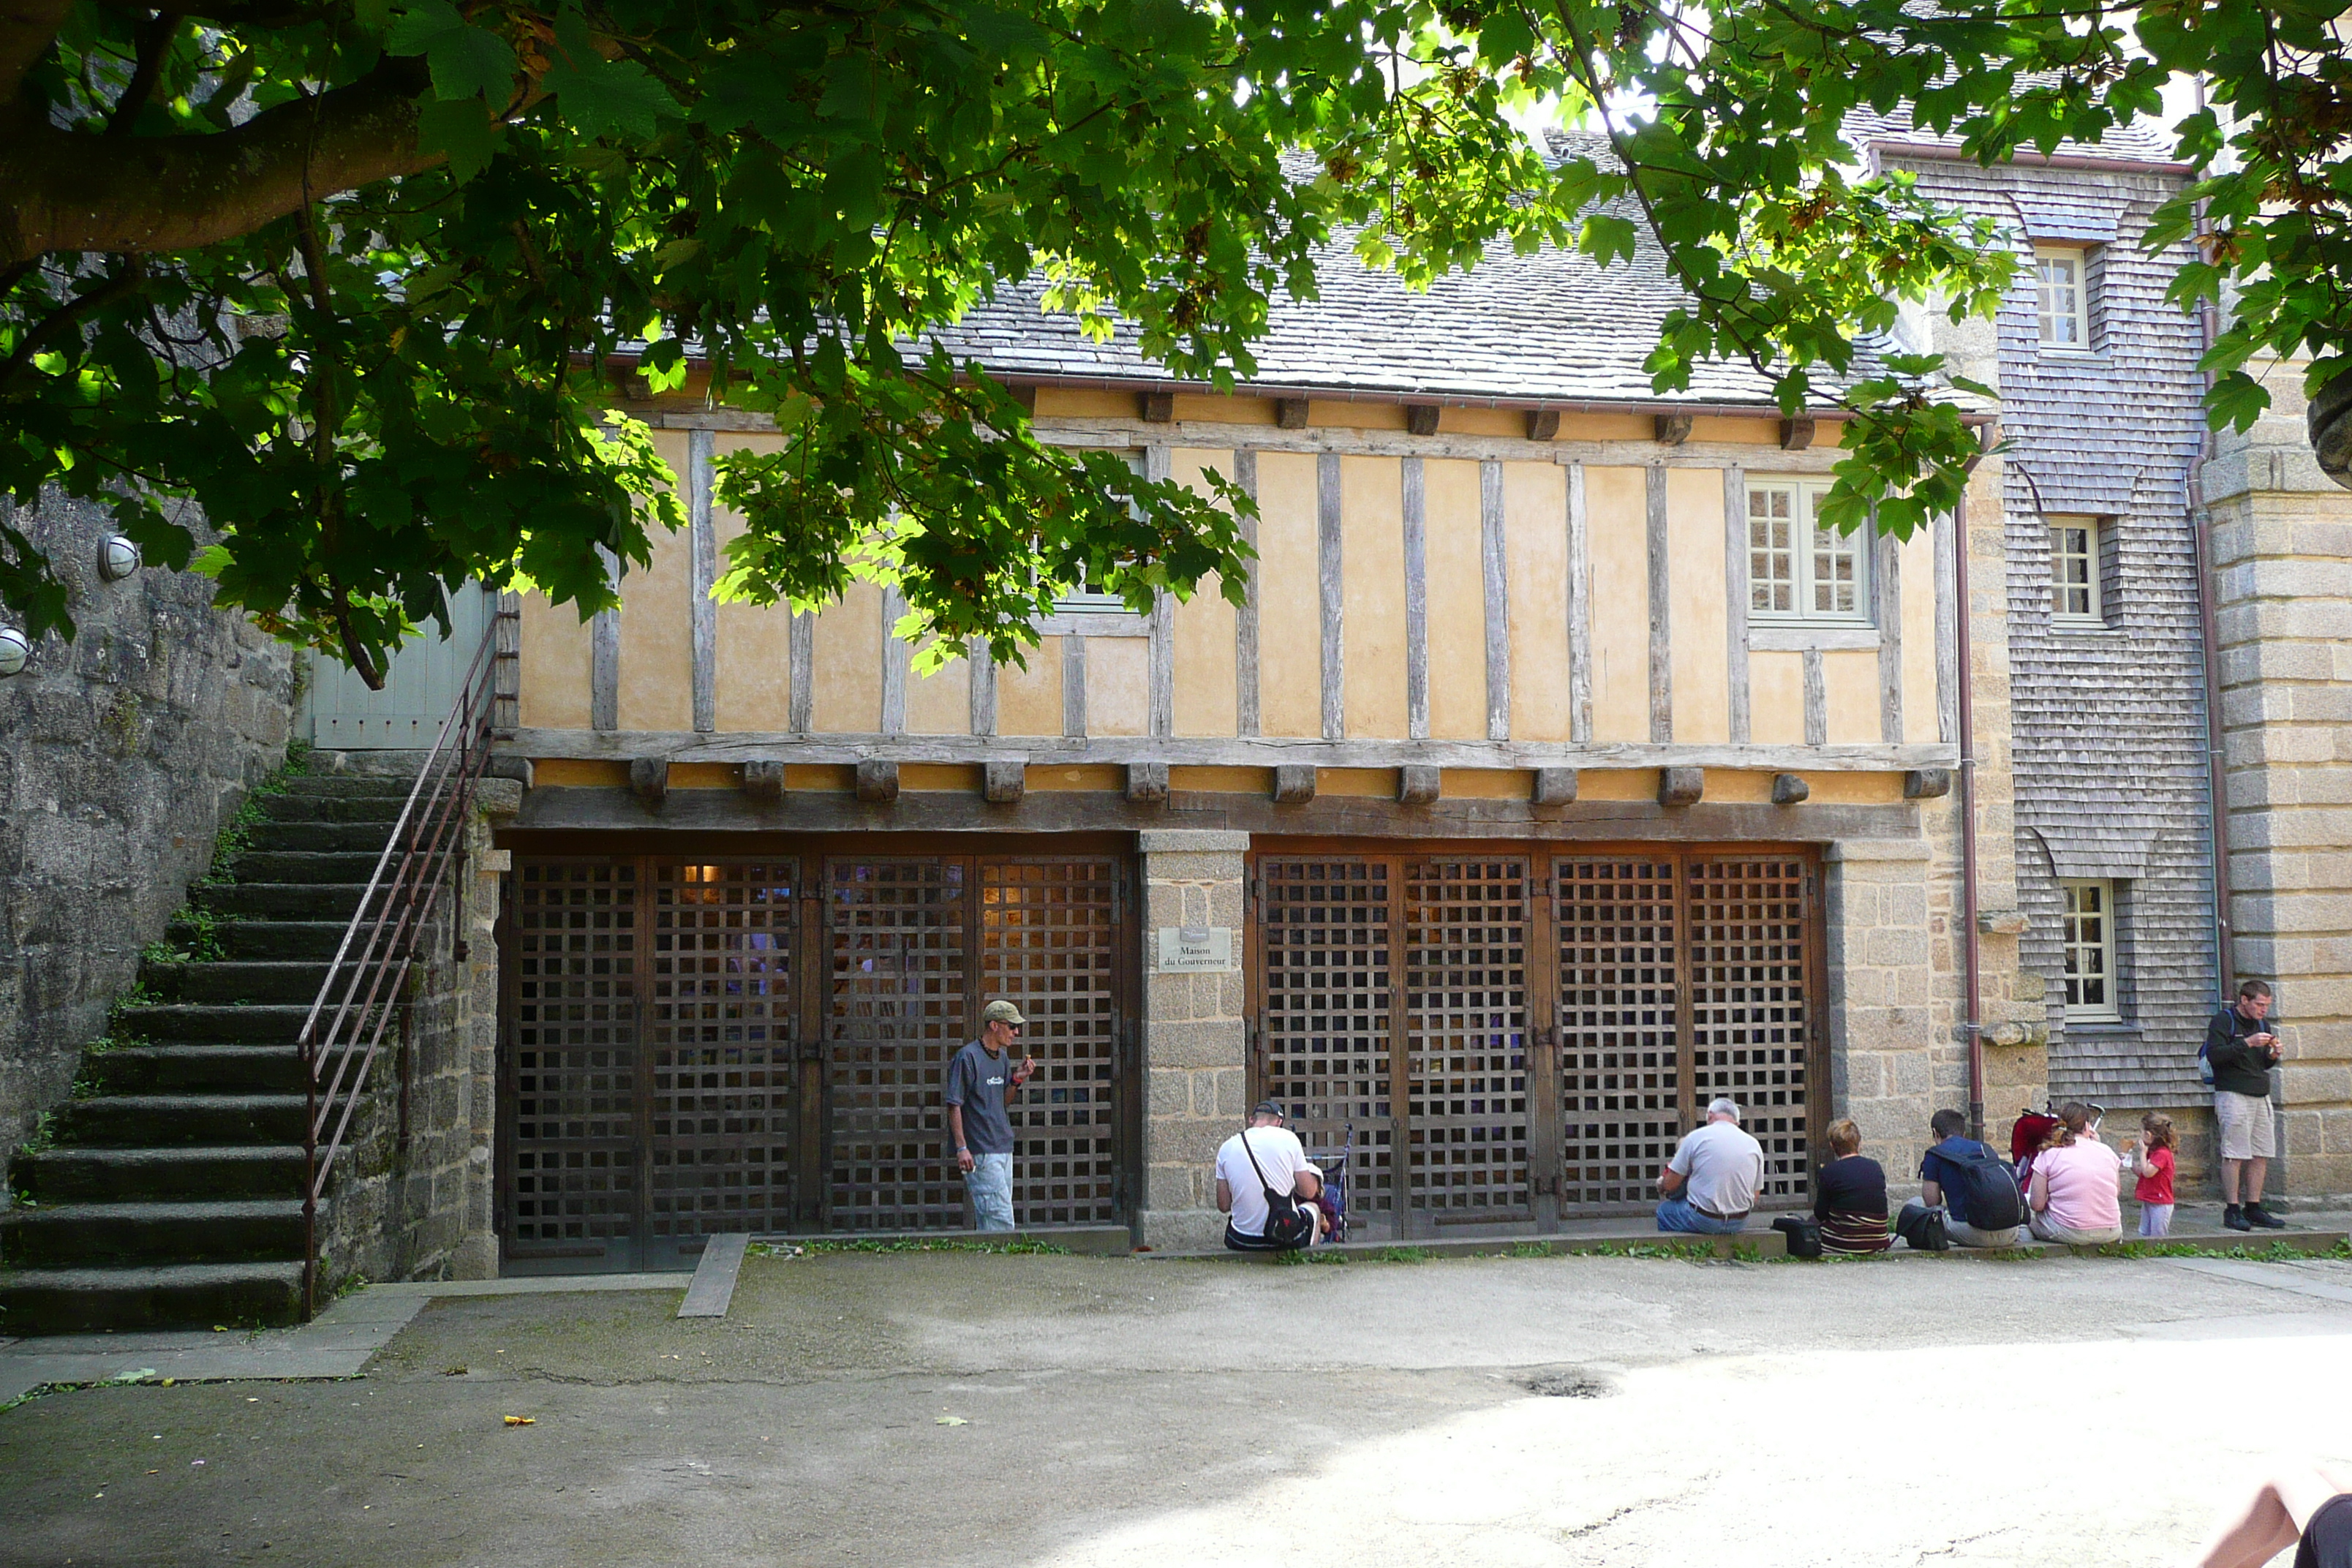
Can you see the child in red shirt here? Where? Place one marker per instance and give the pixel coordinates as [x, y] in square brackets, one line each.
[2152, 1161]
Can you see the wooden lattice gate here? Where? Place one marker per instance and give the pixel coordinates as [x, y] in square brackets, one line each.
[759, 1043]
[1511, 1036]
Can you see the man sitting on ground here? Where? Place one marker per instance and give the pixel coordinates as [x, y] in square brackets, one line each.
[1271, 1160]
[1710, 1183]
[1944, 1183]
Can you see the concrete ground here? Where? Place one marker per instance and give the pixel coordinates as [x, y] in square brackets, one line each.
[1056, 1412]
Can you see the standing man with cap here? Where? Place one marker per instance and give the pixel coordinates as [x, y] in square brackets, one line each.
[981, 1080]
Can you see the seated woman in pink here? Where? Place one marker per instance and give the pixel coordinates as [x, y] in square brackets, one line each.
[2072, 1196]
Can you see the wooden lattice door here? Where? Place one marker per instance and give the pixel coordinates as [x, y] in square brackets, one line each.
[899, 948]
[1514, 1037]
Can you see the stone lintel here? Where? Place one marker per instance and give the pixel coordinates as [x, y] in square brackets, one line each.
[1191, 841]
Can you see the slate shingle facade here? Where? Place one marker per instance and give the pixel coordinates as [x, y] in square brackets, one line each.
[2108, 722]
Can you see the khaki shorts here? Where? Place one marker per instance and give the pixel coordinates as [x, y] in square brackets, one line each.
[2248, 1130]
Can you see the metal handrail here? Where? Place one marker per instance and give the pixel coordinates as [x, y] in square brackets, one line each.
[360, 994]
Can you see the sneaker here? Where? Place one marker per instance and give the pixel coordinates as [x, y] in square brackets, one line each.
[2257, 1215]
[2235, 1218]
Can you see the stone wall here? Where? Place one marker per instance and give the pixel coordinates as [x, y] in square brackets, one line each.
[412, 1196]
[1194, 1037]
[2282, 566]
[121, 753]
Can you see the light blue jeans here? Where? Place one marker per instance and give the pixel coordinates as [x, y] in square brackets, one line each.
[1675, 1213]
[990, 1183]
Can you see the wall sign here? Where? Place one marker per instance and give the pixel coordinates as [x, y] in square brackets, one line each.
[1196, 949]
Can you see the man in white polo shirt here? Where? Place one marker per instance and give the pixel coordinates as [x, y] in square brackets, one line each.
[1267, 1157]
[1710, 1183]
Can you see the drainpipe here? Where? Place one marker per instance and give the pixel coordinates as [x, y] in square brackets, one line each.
[2201, 525]
[1971, 953]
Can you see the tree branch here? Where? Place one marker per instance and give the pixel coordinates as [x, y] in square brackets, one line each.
[132, 278]
[142, 195]
[27, 27]
[154, 46]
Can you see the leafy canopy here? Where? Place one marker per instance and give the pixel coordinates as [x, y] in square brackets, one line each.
[362, 280]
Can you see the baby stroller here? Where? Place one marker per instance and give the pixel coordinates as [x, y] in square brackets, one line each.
[2026, 1138]
[1333, 1202]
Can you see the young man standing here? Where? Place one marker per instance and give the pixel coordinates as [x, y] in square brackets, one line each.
[1710, 1185]
[2242, 1049]
[982, 1081]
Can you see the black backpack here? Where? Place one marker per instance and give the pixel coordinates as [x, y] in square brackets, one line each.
[1988, 1186]
[1287, 1225]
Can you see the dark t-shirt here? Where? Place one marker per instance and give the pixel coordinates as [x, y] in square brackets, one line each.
[2238, 1067]
[1935, 1168]
[2327, 1539]
[977, 1080]
[1854, 1184]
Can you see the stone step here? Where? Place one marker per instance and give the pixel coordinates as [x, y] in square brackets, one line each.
[172, 1296]
[146, 1070]
[279, 838]
[280, 901]
[347, 784]
[159, 1175]
[192, 1023]
[168, 1120]
[233, 980]
[265, 940]
[377, 808]
[354, 866]
[141, 1235]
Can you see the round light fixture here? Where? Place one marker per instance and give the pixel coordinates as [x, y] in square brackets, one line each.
[117, 558]
[13, 651]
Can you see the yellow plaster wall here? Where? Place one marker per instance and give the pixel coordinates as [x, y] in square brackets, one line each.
[830, 778]
[1731, 428]
[1616, 541]
[1359, 784]
[753, 679]
[953, 776]
[1850, 682]
[1484, 784]
[657, 686]
[1356, 415]
[1535, 533]
[1457, 603]
[1118, 686]
[1919, 722]
[1084, 776]
[1029, 701]
[1207, 697]
[1222, 781]
[1509, 422]
[1223, 410]
[941, 703]
[557, 656]
[1618, 784]
[1700, 621]
[1073, 403]
[1776, 699]
[1290, 614]
[1606, 428]
[1371, 551]
[845, 674]
[1855, 789]
[578, 772]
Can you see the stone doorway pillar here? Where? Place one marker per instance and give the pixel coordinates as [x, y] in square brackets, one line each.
[1195, 1039]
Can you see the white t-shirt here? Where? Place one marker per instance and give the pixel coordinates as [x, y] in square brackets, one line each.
[1279, 1154]
[1721, 1167]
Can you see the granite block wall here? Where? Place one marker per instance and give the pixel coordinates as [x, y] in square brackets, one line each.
[1195, 1040]
[120, 755]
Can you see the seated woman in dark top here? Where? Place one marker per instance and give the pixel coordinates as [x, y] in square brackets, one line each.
[2310, 1510]
[1850, 1196]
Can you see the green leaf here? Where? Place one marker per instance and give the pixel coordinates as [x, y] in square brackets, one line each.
[467, 62]
[461, 128]
[2237, 400]
[603, 100]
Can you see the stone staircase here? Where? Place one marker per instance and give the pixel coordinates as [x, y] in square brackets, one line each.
[168, 1193]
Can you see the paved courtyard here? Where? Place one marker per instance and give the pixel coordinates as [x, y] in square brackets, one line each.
[1058, 1411]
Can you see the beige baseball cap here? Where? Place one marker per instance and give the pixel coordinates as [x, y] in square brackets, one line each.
[1001, 1011]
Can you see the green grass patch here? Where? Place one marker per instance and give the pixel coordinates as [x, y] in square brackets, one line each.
[1530, 1249]
[1402, 1255]
[1023, 1247]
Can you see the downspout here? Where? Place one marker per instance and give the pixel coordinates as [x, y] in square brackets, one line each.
[1971, 953]
[2201, 525]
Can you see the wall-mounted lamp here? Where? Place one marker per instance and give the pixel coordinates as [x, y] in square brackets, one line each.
[117, 558]
[13, 651]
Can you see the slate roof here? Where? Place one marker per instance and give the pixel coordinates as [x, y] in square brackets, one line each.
[2140, 142]
[1551, 327]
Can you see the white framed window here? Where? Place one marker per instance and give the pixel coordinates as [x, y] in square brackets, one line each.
[1091, 598]
[2077, 550]
[2062, 296]
[1797, 569]
[2088, 939]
